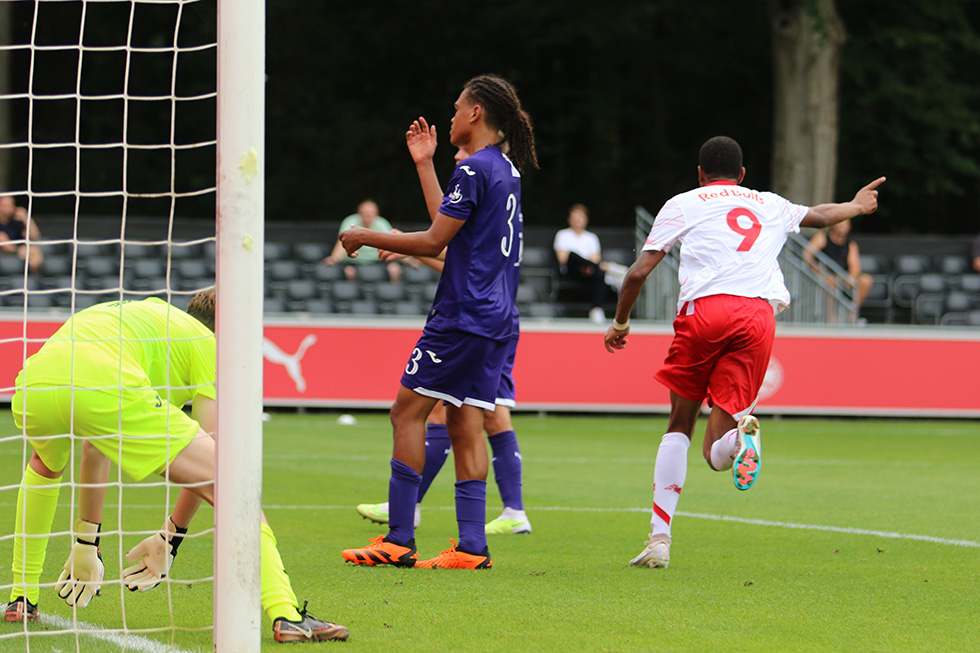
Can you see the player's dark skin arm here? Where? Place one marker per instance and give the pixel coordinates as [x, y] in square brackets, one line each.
[417, 243]
[632, 285]
[865, 202]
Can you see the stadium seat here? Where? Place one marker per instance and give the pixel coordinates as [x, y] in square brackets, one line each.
[345, 291]
[621, 256]
[319, 306]
[907, 264]
[101, 266]
[880, 294]
[960, 302]
[282, 271]
[86, 249]
[537, 257]
[364, 307]
[301, 290]
[969, 283]
[543, 310]
[420, 275]
[181, 250]
[309, 252]
[973, 318]
[192, 269]
[52, 266]
[909, 286]
[874, 264]
[148, 268]
[526, 294]
[328, 273]
[11, 265]
[409, 307]
[928, 308]
[139, 251]
[429, 291]
[371, 273]
[542, 284]
[274, 251]
[952, 264]
[273, 305]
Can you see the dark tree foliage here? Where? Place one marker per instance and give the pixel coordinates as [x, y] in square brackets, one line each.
[622, 95]
[911, 111]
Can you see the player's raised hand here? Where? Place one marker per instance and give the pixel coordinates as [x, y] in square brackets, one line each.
[421, 140]
[81, 578]
[867, 197]
[616, 339]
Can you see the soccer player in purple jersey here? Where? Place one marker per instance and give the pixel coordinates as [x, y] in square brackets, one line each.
[461, 353]
[507, 460]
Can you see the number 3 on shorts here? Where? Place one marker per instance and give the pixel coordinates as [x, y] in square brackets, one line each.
[413, 362]
[751, 232]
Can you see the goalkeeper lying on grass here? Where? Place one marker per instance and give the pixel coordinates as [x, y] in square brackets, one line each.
[103, 367]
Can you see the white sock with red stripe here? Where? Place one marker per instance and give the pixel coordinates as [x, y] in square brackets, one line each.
[669, 473]
[723, 451]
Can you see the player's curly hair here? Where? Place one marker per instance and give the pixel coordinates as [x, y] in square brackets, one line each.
[499, 100]
[721, 158]
[202, 307]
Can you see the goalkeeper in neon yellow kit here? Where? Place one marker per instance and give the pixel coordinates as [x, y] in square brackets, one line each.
[128, 367]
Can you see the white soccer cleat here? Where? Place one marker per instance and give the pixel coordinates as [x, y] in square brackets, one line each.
[656, 554]
[510, 522]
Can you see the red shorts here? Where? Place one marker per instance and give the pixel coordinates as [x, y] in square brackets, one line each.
[721, 351]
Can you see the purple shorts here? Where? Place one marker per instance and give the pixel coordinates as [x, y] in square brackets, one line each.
[457, 367]
[505, 391]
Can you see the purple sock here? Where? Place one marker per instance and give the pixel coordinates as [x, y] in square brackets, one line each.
[437, 448]
[403, 488]
[507, 466]
[471, 514]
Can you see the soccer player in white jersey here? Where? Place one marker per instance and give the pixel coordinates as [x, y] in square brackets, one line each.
[731, 289]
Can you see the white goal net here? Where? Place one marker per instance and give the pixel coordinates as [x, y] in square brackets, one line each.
[108, 192]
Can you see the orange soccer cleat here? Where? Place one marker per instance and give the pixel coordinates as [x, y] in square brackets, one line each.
[382, 552]
[453, 558]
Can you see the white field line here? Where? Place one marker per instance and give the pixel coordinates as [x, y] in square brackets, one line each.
[695, 515]
[127, 642]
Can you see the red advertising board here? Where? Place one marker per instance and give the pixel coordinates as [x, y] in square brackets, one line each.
[563, 366]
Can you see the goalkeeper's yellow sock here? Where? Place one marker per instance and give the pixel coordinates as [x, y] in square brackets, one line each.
[37, 499]
[278, 599]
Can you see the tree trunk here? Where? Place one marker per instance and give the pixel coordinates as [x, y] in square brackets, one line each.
[807, 38]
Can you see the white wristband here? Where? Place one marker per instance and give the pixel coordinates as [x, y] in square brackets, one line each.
[620, 327]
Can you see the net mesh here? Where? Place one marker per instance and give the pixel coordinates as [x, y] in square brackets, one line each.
[107, 148]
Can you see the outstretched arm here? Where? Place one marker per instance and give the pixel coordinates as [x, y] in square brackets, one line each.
[632, 284]
[865, 202]
[418, 243]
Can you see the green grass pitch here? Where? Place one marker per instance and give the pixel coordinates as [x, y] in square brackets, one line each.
[889, 559]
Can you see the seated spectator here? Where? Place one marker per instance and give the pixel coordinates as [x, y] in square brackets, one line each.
[837, 245]
[975, 254]
[367, 217]
[580, 258]
[13, 227]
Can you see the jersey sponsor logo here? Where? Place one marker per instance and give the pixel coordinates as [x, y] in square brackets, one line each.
[456, 196]
[732, 192]
[432, 355]
[467, 170]
[292, 362]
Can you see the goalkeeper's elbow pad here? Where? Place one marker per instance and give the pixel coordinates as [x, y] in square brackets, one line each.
[82, 576]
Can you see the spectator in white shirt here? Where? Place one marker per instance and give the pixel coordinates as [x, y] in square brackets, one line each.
[580, 257]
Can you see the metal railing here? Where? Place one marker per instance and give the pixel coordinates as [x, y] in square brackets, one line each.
[817, 297]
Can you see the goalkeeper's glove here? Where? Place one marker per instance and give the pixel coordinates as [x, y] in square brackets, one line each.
[153, 557]
[82, 576]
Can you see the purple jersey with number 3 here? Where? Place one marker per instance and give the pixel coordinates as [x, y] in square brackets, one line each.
[478, 287]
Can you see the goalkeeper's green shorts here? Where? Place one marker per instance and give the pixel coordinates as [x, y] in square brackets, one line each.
[153, 431]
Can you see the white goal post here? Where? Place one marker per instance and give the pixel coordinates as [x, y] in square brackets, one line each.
[241, 239]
